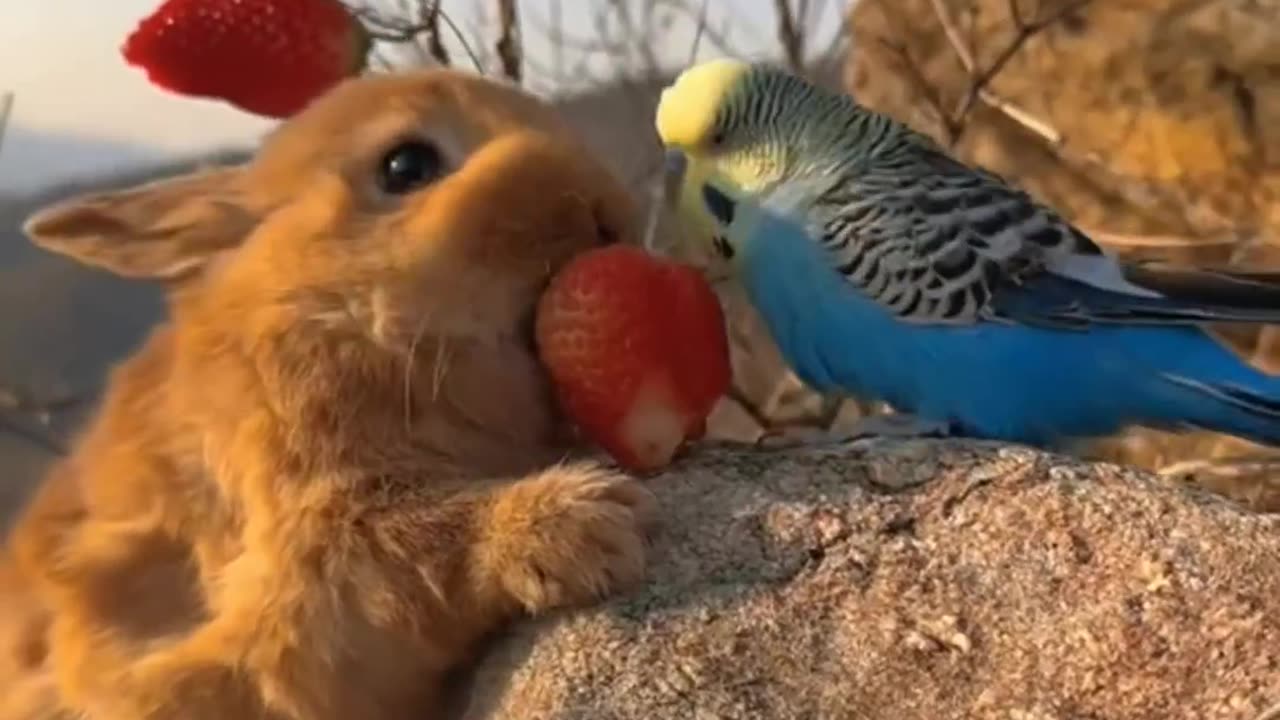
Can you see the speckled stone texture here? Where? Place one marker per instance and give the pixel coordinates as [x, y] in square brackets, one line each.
[915, 580]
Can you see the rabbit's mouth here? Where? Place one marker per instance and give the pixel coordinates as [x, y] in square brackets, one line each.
[527, 326]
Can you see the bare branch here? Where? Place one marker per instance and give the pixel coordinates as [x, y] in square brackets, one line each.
[1220, 467]
[13, 400]
[508, 46]
[1025, 31]
[637, 38]
[838, 39]
[26, 418]
[742, 400]
[557, 47]
[930, 93]
[1141, 195]
[1271, 713]
[1159, 241]
[718, 38]
[6, 110]
[699, 30]
[462, 40]
[378, 60]
[32, 433]
[431, 26]
[399, 31]
[958, 45]
[789, 35]
[980, 79]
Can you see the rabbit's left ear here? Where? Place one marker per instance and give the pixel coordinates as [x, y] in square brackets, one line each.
[161, 230]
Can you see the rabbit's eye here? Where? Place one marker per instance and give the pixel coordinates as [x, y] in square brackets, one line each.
[408, 166]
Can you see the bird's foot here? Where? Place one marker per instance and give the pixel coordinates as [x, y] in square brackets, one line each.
[864, 433]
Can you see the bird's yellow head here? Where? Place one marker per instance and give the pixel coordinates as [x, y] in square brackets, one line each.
[687, 110]
[690, 122]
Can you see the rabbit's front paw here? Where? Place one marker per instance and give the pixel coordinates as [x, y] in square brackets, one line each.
[570, 535]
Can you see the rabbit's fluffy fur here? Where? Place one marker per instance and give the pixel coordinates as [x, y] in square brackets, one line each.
[338, 465]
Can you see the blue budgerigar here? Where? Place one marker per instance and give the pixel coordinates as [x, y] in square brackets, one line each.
[887, 270]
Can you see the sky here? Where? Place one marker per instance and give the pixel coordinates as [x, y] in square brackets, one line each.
[79, 110]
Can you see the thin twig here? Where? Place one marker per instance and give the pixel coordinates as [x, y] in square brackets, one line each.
[958, 45]
[739, 397]
[927, 90]
[431, 23]
[832, 406]
[637, 39]
[476, 23]
[16, 401]
[789, 35]
[1236, 467]
[718, 38]
[980, 79]
[383, 29]
[508, 45]
[1025, 31]
[1145, 197]
[838, 39]
[378, 60]
[36, 436]
[462, 40]
[6, 110]
[699, 30]
[1157, 241]
[556, 35]
[1271, 713]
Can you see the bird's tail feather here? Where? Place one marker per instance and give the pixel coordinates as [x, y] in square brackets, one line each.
[1226, 394]
[1223, 294]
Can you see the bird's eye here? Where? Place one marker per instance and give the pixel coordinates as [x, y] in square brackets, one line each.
[718, 139]
[408, 166]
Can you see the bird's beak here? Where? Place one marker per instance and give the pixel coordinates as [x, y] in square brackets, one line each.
[674, 165]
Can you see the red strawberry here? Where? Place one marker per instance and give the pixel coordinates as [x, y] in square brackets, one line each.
[637, 348]
[269, 57]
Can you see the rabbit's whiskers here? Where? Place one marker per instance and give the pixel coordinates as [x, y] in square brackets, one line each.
[409, 367]
[440, 368]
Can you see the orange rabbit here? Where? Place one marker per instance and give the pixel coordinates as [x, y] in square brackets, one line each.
[313, 491]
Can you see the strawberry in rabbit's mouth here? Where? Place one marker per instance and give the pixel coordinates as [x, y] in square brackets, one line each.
[637, 348]
[526, 327]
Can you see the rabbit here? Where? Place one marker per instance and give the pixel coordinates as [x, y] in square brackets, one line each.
[338, 466]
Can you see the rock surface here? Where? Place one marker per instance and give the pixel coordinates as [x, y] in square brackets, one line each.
[926, 579]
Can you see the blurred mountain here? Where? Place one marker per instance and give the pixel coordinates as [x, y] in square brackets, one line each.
[30, 154]
[62, 326]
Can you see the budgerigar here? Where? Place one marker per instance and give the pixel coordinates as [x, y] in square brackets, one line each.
[885, 269]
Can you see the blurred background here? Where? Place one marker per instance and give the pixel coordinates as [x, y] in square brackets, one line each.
[1152, 124]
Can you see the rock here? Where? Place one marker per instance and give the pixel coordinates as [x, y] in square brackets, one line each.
[925, 579]
[63, 325]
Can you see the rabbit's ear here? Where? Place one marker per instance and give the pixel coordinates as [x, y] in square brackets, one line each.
[162, 230]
